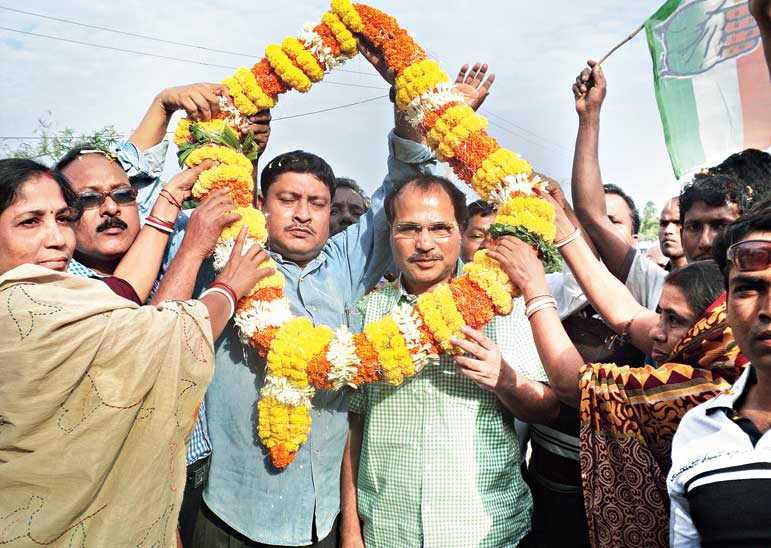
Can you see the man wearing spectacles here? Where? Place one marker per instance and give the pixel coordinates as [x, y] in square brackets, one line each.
[435, 461]
[719, 482]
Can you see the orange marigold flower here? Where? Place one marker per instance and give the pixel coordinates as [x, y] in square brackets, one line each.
[397, 46]
[369, 370]
[473, 303]
[430, 118]
[317, 370]
[280, 456]
[426, 337]
[473, 151]
[267, 79]
[328, 38]
[267, 294]
[261, 339]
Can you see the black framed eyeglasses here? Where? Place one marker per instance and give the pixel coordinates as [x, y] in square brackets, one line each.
[95, 198]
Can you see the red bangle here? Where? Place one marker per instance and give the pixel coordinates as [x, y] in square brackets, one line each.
[158, 224]
[171, 199]
[227, 288]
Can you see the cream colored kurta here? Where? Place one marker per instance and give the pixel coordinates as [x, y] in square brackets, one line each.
[97, 400]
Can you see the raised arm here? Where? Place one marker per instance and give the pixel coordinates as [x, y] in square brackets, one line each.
[761, 11]
[200, 101]
[587, 191]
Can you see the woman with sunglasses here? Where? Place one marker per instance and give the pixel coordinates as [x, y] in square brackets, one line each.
[628, 414]
[97, 394]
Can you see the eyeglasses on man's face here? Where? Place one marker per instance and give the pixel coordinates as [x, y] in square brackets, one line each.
[95, 198]
[414, 230]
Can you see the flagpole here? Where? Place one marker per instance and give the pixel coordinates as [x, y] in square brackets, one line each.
[634, 33]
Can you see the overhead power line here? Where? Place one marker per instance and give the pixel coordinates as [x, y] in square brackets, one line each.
[167, 57]
[154, 38]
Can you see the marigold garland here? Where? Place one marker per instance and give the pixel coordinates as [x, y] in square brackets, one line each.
[302, 357]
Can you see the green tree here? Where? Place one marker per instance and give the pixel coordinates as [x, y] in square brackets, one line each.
[649, 222]
[49, 145]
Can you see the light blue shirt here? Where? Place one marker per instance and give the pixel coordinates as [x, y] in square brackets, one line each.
[243, 489]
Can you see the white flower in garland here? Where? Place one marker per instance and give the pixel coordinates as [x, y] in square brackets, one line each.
[344, 363]
[408, 322]
[284, 392]
[315, 44]
[519, 184]
[443, 94]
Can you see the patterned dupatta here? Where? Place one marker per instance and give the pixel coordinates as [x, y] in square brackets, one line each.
[628, 418]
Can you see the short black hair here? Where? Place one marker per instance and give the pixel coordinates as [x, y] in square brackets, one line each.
[14, 172]
[345, 182]
[743, 178]
[758, 219]
[615, 189]
[75, 152]
[701, 283]
[424, 183]
[297, 161]
[480, 207]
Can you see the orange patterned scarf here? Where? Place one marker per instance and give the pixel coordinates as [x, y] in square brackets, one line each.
[628, 418]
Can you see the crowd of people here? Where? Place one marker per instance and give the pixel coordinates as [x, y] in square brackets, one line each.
[639, 385]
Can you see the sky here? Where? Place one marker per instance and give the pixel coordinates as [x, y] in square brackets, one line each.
[536, 49]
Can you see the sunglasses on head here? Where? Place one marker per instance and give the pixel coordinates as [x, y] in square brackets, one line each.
[750, 255]
[95, 198]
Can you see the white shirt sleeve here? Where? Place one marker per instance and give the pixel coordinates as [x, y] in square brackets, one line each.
[645, 281]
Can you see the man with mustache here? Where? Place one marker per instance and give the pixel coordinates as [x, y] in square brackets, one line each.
[669, 234]
[435, 461]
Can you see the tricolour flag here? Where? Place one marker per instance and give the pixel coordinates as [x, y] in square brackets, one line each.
[712, 83]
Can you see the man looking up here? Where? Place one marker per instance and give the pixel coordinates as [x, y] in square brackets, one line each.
[348, 204]
[719, 484]
[246, 500]
[435, 462]
[476, 235]
[669, 234]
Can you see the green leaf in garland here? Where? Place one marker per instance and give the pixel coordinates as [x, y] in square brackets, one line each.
[550, 257]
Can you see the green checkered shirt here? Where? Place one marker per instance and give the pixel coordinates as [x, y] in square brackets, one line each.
[439, 464]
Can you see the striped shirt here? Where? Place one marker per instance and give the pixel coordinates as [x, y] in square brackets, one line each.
[439, 465]
[720, 481]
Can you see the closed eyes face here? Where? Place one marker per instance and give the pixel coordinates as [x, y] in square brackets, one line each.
[37, 228]
[675, 319]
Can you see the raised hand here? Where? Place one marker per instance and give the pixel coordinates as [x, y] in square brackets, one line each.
[200, 101]
[242, 270]
[590, 95]
[473, 85]
[182, 183]
[259, 125]
[213, 214]
[377, 60]
[519, 261]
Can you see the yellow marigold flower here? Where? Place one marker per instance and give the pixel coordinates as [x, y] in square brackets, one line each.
[251, 217]
[293, 346]
[221, 154]
[283, 424]
[240, 100]
[495, 168]
[348, 15]
[182, 133]
[531, 212]
[343, 36]
[462, 116]
[252, 90]
[286, 70]
[237, 179]
[441, 316]
[393, 354]
[493, 280]
[304, 59]
[417, 79]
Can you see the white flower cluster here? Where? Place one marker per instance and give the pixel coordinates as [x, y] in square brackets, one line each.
[315, 44]
[344, 363]
[285, 393]
[519, 183]
[262, 315]
[434, 99]
[408, 322]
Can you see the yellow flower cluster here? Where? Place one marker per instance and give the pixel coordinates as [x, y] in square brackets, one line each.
[223, 155]
[251, 217]
[275, 280]
[417, 79]
[452, 129]
[252, 89]
[343, 36]
[282, 424]
[441, 316]
[303, 58]
[237, 179]
[493, 280]
[495, 168]
[348, 15]
[294, 345]
[286, 70]
[531, 212]
[392, 351]
[182, 133]
[240, 100]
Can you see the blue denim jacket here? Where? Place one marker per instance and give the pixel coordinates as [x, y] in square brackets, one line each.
[243, 489]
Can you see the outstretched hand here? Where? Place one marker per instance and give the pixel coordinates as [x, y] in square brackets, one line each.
[589, 95]
[473, 85]
[200, 101]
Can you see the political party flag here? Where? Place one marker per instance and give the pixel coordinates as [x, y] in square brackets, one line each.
[712, 83]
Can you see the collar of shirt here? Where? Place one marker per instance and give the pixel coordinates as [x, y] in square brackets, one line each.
[402, 295]
[79, 269]
[728, 400]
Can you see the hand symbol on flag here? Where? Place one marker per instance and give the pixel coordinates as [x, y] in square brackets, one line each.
[702, 33]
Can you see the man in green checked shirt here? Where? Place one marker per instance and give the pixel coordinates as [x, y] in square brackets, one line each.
[434, 462]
